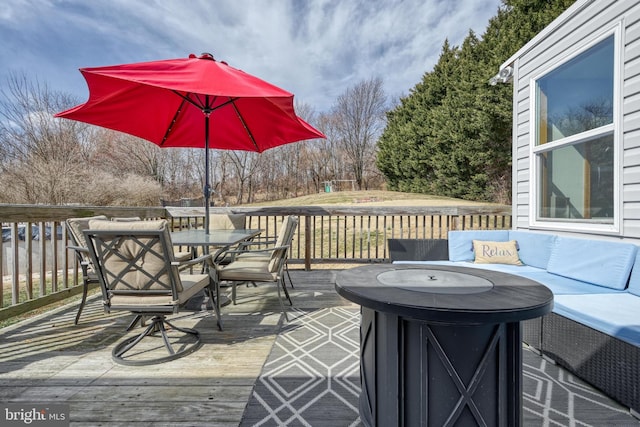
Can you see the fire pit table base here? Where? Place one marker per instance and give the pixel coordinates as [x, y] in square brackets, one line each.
[418, 373]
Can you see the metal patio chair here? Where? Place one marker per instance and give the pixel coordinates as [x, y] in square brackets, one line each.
[76, 227]
[249, 248]
[229, 221]
[138, 272]
[226, 221]
[259, 265]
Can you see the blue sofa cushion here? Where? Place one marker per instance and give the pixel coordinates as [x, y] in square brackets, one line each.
[534, 248]
[615, 314]
[600, 262]
[461, 246]
[634, 281]
[505, 268]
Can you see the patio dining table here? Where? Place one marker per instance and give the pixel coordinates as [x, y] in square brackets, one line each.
[217, 238]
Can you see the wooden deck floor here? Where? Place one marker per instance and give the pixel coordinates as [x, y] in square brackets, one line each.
[48, 359]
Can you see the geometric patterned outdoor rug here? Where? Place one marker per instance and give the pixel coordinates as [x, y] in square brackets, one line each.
[312, 378]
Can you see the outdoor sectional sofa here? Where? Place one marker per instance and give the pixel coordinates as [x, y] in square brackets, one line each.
[594, 329]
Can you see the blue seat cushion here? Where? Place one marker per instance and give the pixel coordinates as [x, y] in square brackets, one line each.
[615, 314]
[600, 262]
[561, 285]
[461, 242]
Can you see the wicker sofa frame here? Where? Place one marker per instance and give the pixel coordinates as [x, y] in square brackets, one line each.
[606, 362]
[609, 364]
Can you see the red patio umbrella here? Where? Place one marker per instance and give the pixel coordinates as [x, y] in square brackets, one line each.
[172, 102]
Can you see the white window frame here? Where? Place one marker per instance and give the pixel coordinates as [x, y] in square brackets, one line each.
[577, 225]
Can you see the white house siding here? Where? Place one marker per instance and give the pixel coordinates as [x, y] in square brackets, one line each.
[631, 124]
[577, 26]
[521, 158]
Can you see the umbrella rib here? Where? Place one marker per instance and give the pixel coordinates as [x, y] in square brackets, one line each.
[201, 106]
[173, 122]
[189, 100]
[244, 124]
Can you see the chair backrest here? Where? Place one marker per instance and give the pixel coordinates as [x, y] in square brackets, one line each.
[285, 237]
[76, 227]
[126, 218]
[227, 221]
[134, 258]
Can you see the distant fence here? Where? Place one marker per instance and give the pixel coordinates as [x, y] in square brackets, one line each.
[36, 266]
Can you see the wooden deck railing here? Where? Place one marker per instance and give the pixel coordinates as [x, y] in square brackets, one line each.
[37, 269]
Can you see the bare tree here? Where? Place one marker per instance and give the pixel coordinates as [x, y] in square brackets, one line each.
[269, 174]
[244, 165]
[103, 188]
[327, 156]
[295, 155]
[57, 161]
[360, 118]
[122, 153]
[179, 171]
[41, 157]
[179, 179]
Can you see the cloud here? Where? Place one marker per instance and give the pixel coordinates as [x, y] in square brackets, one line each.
[315, 49]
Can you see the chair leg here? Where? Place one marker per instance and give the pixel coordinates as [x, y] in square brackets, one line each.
[134, 322]
[286, 268]
[83, 301]
[125, 346]
[165, 338]
[286, 292]
[138, 318]
[279, 283]
[214, 298]
[233, 292]
[156, 325]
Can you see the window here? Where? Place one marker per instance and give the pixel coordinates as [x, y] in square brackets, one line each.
[575, 141]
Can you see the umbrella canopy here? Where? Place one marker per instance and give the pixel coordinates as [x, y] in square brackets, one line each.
[194, 102]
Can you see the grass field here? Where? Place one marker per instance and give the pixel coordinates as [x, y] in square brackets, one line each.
[370, 197]
[344, 236]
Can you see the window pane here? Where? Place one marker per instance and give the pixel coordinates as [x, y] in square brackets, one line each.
[576, 181]
[577, 96]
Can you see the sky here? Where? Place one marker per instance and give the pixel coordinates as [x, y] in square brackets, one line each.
[316, 49]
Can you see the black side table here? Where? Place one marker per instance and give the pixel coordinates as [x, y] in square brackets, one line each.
[440, 345]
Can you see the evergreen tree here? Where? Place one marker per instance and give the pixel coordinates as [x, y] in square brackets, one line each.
[407, 144]
[451, 135]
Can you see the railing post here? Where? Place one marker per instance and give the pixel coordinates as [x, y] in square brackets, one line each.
[307, 242]
[15, 278]
[2, 274]
[454, 222]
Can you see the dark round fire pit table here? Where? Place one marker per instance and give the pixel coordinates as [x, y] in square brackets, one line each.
[439, 344]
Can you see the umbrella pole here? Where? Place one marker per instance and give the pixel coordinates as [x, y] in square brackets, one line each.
[207, 188]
